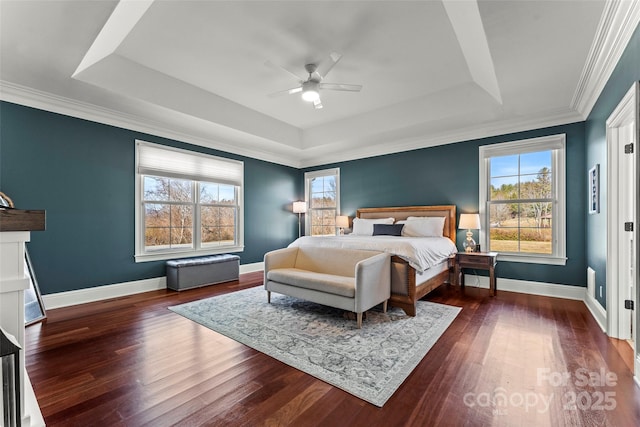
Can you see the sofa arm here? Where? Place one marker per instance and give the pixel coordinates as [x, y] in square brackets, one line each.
[280, 258]
[373, 281]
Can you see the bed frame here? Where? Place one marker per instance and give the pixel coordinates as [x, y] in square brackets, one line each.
[405, 286]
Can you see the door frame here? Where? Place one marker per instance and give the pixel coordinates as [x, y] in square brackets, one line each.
[626, 109]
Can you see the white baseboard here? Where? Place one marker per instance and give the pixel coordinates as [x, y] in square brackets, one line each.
[528, 287]
[99, 293]
[598, 313]
[636, 370]
[251, 268]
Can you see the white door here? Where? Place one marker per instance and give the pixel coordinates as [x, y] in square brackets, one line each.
[622, 209]
[626, 215]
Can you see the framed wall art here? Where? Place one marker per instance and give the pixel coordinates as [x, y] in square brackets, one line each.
[594, 189]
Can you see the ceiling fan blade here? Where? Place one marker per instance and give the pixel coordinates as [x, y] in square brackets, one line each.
[326, 66]
[285, 92]
[317, 104]
[280, 67]
[341, 86]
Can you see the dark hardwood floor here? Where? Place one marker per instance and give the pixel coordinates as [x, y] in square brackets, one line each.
[512, 360]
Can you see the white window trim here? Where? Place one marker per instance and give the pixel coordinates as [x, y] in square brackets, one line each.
[551, 142]
[308, 176]
[141, 256]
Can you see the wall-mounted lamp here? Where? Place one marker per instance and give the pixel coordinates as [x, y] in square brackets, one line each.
[342, 222]
[470, 222]
[299, 208]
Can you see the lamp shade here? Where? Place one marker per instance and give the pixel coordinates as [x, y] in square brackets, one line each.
[342, 221]
[299, 207]
[469, 222]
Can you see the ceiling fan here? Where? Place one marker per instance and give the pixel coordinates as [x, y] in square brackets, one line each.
[311, 86]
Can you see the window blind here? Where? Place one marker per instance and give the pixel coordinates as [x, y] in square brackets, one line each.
[159, 160]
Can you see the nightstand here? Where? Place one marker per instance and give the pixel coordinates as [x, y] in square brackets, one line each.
[477, 261]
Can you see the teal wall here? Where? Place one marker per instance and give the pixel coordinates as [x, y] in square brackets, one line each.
[82, 174]
[448, 174]
[626, 72]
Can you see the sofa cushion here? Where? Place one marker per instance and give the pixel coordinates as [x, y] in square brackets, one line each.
[329, 283]
[338, 261]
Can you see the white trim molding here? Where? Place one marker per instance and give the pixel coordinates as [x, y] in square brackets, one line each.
[619, 20]
[528, 287]
[597, 311]
[100, 293]
[251, 268]
[626, 112]
[34, 98]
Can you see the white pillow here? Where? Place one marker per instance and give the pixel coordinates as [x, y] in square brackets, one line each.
[424, 226]
[364, 227]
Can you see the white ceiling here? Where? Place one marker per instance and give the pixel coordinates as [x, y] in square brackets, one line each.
[433, 72]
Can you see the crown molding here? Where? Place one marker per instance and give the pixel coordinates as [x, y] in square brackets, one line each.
[619, 20]
[22, 95]
[329, 155]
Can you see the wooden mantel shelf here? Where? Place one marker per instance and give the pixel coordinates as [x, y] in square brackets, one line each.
[22, 220]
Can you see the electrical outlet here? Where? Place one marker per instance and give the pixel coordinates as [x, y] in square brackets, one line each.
[600, 291]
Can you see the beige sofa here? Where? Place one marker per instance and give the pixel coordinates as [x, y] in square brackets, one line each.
[353, 280]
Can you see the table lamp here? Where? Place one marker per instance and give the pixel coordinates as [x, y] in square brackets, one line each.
[342, 221]
[469, 222]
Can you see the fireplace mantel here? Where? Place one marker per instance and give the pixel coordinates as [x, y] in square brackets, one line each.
[22, 220]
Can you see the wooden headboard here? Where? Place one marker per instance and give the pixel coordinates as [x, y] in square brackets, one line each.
[400, 213]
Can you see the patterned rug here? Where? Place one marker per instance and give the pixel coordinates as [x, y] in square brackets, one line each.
[369, 363]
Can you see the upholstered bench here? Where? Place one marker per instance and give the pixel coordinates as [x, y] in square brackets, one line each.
[353, 280]
[195, 272]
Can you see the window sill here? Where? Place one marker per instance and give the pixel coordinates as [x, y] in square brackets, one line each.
[160, 256]
[532, 259]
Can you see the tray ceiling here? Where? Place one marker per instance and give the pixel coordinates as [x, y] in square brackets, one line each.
[432, 72]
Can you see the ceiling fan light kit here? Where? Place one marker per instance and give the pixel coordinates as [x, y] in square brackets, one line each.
[310, 88]
[310, 91]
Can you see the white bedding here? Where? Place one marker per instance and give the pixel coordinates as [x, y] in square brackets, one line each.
[420, 252]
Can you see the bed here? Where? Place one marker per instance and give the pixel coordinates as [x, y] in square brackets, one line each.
[411, 276]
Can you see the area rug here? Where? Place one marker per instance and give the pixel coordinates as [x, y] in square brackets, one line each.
[369, 363]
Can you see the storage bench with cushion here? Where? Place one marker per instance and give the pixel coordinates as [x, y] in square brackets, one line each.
[353, 280]
[195, 272]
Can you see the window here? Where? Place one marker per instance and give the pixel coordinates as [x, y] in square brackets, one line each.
[322, 192]
[187, 203]
[522, 199]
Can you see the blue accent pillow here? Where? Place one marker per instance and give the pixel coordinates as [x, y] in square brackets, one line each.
[387, 229]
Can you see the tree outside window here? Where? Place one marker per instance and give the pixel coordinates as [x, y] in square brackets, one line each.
[170, 208]
[522, 199]
[323, 195]
[520, 213]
